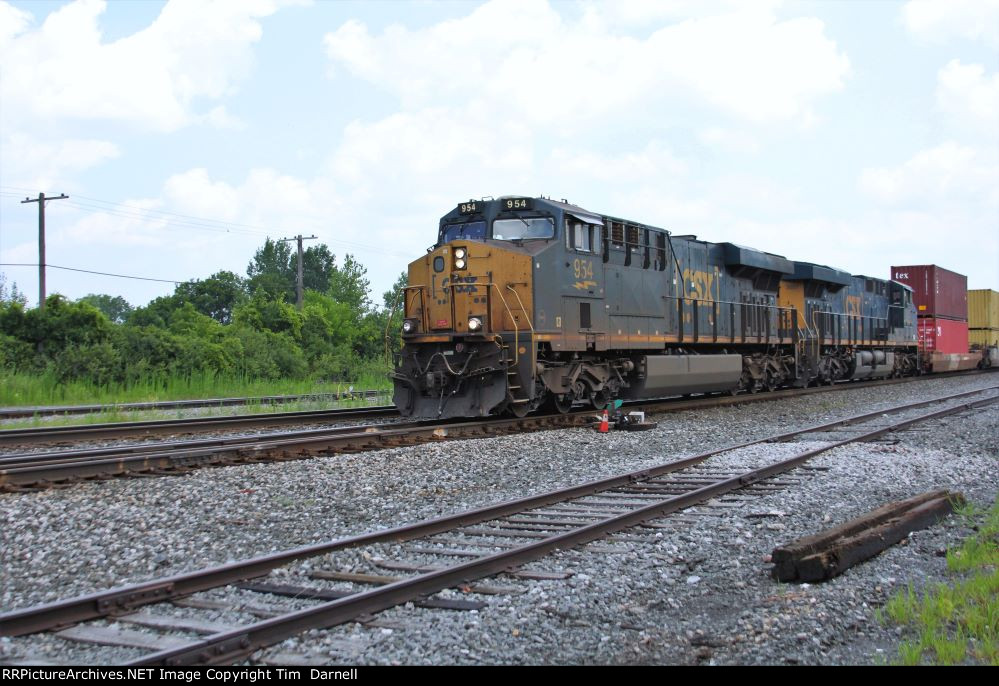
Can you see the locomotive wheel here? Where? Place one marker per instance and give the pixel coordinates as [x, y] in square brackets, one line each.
[599, 399]
[562, 403]
[557, 403]
[770, 381]
[518, 410]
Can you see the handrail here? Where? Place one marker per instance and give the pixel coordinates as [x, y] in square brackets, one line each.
[424, 325]
[696, 302]
[516, 329]
[523, 309]
[527, 316]
[857, 317]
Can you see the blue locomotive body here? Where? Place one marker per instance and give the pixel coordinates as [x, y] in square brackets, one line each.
[525, 302]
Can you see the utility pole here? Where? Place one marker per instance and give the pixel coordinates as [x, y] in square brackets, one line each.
[41, 242]
[301, 287]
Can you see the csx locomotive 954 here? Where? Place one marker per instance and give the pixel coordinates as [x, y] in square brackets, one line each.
[530, 302]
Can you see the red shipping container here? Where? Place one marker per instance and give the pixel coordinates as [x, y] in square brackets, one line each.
[937, 292]
[936, 335]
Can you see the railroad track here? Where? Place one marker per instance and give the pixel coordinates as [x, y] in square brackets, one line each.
[497, 539]
[29, 471]
[39, 470]
[55, 435]
[47, 410]
[64, 435]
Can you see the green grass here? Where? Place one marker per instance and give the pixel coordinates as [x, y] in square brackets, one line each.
[19, 389]
[956, 623]
[116, 414]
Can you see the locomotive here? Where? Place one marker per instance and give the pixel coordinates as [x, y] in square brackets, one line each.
[526, 303]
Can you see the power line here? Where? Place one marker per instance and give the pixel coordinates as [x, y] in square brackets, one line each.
[89, 271]
[126, 211]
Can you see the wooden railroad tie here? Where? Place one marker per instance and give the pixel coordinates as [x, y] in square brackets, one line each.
[830, 553]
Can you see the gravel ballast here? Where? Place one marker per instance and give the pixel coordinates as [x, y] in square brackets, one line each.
[697, 590]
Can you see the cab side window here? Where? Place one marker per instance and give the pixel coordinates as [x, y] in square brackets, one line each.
[582, 237]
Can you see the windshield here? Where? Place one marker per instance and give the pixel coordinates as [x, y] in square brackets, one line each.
[517, 229]
[464, 230]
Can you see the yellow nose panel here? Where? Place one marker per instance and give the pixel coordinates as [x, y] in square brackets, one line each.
[494, 285]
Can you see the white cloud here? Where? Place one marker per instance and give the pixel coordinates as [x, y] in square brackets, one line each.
[152, 78]
[941, 206]
[643, 12]
[654, 161]
[743, 61]
[728, 139]
[122, 227]
[415, 154]
[12, 22]
[966, 93]
[938, 21]
[33, 163]
[219, 118]
[948, 174]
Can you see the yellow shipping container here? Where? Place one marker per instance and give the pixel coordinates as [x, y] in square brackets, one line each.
[983, 309]
[983, 338]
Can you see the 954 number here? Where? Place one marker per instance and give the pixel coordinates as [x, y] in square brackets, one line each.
[582, 269]
[517, 204]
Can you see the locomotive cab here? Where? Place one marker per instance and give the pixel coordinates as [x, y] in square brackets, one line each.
[468, 331]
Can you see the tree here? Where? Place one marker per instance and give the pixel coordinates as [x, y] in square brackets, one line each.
[114, 307]
[393, 297]
[11, 295]
[156, 313]
[270, 271]
[348, 285]
[216, 297]
[393, 314]
[318, 264]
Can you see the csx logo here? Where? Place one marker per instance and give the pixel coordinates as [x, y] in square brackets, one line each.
[901, 275]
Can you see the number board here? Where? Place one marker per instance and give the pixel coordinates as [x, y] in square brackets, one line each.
[470, 207]
[517, 204]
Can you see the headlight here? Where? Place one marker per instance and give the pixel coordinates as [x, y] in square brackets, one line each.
[408, 326]
[459, 264]
[474, 324]
[459, 253]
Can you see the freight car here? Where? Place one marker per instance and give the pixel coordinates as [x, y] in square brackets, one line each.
[525, 303]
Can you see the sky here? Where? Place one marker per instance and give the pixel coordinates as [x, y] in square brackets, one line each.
[859, 135]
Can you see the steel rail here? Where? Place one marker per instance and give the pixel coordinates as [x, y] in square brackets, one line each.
[16, 412]
[228, 646]
[160, 426]
[11, 460]
[127, 598]
[32, 470]
[60, 434]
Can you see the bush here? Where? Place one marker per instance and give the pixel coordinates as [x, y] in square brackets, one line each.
[100, 364]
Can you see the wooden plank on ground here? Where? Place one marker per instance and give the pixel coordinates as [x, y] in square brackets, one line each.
[812, 544]
[863, 546]
[108, 636]
[308, 593]
[168, 623]
[827, 554]
[255, 610]
[382, 579]
[521, 573]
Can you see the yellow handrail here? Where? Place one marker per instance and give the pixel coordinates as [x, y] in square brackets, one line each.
[424, 326]
[516, 329]
[523, 309]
